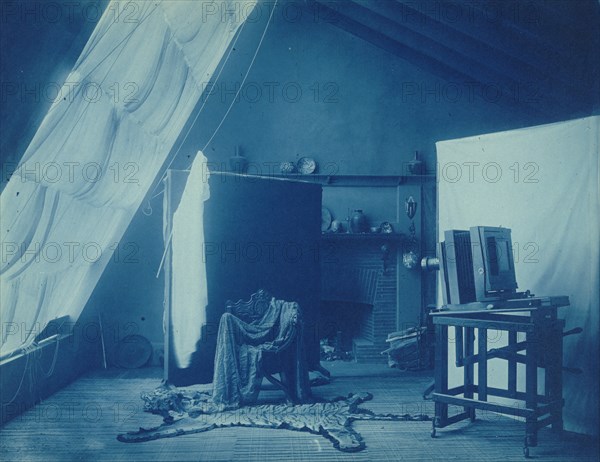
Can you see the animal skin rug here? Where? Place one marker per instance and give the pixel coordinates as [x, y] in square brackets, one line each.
[187, 411]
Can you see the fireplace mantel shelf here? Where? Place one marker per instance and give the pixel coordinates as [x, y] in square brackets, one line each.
[363, 237]
[356, 180]
[352, 180]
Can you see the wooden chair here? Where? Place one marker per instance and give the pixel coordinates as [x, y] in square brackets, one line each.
[288, 359]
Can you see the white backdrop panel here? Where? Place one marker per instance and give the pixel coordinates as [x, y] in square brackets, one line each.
[542, 182]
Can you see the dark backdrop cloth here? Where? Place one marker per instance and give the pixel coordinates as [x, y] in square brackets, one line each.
[241, 350]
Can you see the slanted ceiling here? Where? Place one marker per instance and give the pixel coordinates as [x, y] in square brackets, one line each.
[538, 56]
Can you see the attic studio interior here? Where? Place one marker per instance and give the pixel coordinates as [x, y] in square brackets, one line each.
[358, 230]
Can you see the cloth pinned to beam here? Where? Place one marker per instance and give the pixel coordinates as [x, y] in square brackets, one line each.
[165, 53]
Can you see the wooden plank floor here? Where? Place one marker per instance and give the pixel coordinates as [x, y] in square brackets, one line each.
[81, 422]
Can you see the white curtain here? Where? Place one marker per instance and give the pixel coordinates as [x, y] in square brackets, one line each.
[189, 294]
[542, 182]
[97, 152]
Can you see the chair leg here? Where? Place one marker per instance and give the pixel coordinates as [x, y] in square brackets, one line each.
[279, 384]
[322, 370]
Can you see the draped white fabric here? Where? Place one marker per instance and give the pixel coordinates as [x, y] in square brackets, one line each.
[97, 152]
[541, 182]
[189, 290]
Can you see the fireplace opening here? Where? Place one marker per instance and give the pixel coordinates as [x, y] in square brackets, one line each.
[348, 294]
[340, 323]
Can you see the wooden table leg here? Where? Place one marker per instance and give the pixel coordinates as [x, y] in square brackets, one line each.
[459, 350]
[531, 387]
[553, 374]
[512, 366]
[441, 376]
[469, 339]
[482, 365]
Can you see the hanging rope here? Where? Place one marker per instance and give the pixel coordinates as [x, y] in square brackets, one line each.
[262, 38]
[245, 76]
[174, 156]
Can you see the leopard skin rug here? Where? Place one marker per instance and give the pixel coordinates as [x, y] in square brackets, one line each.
[185, 411]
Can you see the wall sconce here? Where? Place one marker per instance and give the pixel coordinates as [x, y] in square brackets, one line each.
[411, 207]
[410, 257]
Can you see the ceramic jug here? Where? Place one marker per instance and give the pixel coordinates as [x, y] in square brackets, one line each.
[358, 222]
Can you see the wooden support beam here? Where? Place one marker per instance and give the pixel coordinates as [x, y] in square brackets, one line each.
[450, 64]
[460, 27]
[488, 406]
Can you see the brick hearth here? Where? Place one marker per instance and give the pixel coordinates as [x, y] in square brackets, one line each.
[348, 264]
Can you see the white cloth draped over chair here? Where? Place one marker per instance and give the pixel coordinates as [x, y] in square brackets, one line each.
[257, 339]
[96, 154]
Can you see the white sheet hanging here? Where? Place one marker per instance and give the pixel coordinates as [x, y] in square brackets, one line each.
[97, 152]
[189, 295]
[543, 183]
